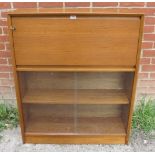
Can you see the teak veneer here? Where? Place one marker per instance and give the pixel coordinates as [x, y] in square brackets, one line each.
[75, 73]
[86, 96]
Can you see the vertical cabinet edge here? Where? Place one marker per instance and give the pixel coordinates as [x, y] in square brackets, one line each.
[16, 79]
[134, 87]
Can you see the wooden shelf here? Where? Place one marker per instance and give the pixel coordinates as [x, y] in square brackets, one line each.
[76, 68]
[80, 96]
[84, 126]
[84, 11]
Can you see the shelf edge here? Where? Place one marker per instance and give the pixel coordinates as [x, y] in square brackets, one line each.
[75, 69]
[109, 139]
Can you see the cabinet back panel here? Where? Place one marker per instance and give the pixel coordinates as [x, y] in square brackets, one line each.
[110, 41]
[55, 80]
[59, 110]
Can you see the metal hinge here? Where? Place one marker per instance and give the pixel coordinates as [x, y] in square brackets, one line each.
[12, 28]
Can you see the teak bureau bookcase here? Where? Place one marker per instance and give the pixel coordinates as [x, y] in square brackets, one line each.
[75, 73]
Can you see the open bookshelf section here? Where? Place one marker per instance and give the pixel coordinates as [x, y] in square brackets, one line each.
[86, 126]
[76, 87]
[75, 103]
[70, 120]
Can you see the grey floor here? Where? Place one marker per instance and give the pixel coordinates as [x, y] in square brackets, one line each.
[11, 141]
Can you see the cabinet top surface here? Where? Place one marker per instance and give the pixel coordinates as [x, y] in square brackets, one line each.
[103, 11]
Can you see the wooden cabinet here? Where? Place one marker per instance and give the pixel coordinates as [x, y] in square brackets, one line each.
[75, 74]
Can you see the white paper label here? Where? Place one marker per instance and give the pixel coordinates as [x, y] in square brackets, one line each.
[72, 17]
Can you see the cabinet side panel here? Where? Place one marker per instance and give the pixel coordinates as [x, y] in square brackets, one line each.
[16, 78]
[135, 80]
